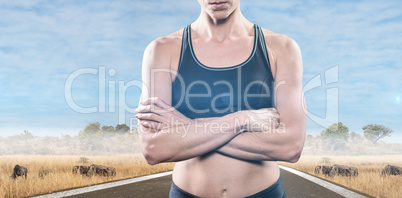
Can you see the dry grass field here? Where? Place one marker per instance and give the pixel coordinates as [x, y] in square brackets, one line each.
[368, 181]
[127, 166]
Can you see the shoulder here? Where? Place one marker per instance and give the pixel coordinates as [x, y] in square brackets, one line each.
[163, 48]
[281, 44]
[284, 50]
[166, 42]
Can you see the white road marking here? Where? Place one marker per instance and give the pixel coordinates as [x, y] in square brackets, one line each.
[335, 188]
[102, 186]
[330, 186]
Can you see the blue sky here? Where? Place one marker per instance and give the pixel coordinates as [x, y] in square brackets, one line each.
[43, 42]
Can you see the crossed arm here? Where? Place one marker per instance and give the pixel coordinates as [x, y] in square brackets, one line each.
[167, 135]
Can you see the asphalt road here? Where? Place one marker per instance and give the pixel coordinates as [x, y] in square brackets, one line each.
[295, 186]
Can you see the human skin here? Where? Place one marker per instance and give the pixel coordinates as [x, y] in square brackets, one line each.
[236, 160]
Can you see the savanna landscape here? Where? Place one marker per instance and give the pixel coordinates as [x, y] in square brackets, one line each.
[61, 177]
[50, 160]
[67, 64]
[369, 180]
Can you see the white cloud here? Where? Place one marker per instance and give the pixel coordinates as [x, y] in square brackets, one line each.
[42, 42]
[363, 38]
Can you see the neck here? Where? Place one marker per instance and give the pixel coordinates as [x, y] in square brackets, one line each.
[232, 26]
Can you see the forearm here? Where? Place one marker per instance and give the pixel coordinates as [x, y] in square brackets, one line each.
[181, 142]
[280, 144]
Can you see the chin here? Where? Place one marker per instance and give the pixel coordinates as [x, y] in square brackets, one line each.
[219, 15]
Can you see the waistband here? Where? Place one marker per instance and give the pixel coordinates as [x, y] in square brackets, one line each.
[176, 192]
[276, 190]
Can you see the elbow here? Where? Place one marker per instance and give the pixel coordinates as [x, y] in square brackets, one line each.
[154, 152]
[156, 148]
[151, 159]
[158, 154]
[293, 156]
[294, 150]
[150, 155]
[149, 150]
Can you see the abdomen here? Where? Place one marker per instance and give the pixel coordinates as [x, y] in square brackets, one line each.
[217, 175]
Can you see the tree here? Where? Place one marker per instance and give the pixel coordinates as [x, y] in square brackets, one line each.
[122, 128]
[335, 136]
[309, 139]
[108, 129]
[336, 131]
[355, 137]
[27, 135]
[92, 128]
[375, 132]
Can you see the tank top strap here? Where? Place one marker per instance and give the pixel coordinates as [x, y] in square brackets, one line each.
[200, 91]
[263, 47]
[185, 45]
[187, 55]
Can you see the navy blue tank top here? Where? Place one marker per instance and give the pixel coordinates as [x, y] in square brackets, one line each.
[200, 91]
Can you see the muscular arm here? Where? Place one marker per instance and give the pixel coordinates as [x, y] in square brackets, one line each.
[182, 142]
[286, 142]
[174, 142]
[169, 144]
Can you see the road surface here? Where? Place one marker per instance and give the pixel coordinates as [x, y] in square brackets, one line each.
[296, 185]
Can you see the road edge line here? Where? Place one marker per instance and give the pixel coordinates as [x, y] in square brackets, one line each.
[97, 187]
[330, 186]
